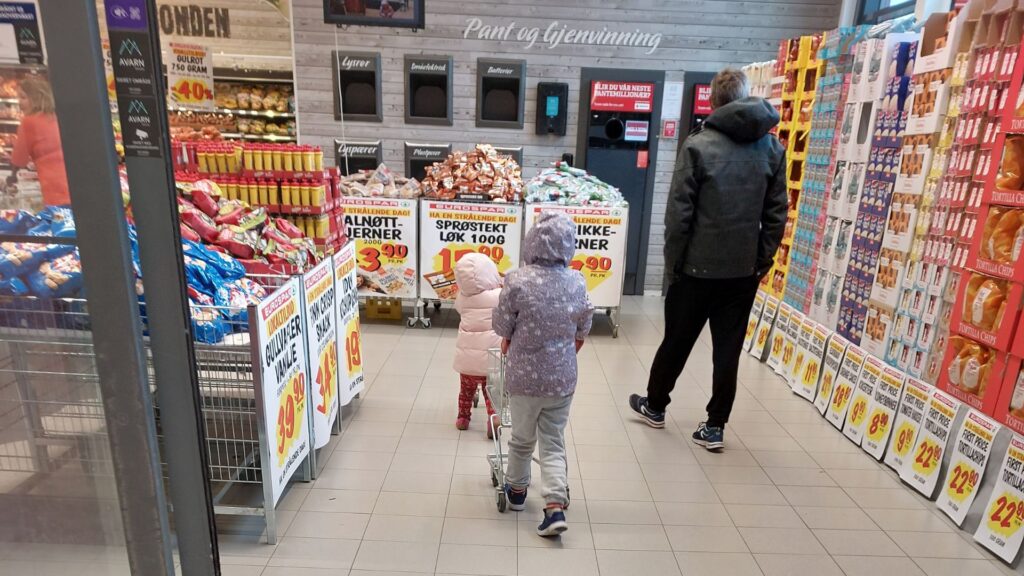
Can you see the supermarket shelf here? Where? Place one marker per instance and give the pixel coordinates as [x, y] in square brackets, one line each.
[258, 137]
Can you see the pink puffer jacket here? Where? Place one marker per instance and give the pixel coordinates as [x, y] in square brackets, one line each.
[479, 287]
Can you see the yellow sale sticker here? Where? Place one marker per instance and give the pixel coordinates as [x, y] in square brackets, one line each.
[597, 268]
[878, 425]
[963, 479]
[327, 378]
[353, 347]
[1006, 515]
[290, 414]
[928, 457]
[904, 438]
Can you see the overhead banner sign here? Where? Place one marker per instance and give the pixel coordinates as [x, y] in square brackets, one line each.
[600, 248]
[350, 363]
[384, 231]
[322, 347]
[621, 96]
[21, 20]
[283, 382]
[190, 77]
[450, 230]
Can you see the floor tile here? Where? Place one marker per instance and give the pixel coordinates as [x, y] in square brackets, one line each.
[797, 565]
[477, 560]
[878, 566]
[705, 563]
[799, 477]
[758, 516]
[693, 514]
[617, 490]
[893, 498]
[683, 492]
[908, 520]
[473, 531]
[948, 567]
[821, 496]
[750, 494]
[564, 562]
[781, 541]
[857, 543]
[835, 518]
[328, 525]
[404, 528]
[408, 557]
[705, 539]
[578, 536]
[629, 537]
[411, 504]
[354, 501]
[632, 562]
[315, 553]
[935, 545]
[623, 512]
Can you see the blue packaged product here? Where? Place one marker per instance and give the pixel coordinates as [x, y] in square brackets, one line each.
[20, 258]
[13, 287]
[225, 266]
[56, 221]
[58, 278]
[17, 221]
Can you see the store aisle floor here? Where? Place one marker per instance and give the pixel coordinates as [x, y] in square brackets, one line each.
[405, 492]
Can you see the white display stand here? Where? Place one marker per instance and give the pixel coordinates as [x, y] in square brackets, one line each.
[321, 321]
[351, 380]
[601, 234]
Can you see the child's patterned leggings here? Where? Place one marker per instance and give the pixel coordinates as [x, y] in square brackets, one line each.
[468, 391]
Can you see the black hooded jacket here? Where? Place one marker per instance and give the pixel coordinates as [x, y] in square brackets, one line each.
[727, 206]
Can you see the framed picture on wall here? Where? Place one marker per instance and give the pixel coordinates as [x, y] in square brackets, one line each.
[393, 13]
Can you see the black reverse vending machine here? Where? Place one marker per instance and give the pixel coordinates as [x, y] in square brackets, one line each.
[696, 100]
[620, 147]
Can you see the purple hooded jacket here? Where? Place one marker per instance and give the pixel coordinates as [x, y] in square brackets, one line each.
[543, 309]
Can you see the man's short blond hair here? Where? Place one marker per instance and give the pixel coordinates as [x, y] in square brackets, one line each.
[728, 85]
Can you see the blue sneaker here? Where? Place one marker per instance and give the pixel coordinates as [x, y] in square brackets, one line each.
[639, 405]
[712, 438]
[554, 523]
[516, 499]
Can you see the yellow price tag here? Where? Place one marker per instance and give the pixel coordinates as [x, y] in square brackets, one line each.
[290, 413]
[353, 347]
[842, 396]
[751, 324]
[878, 425]
[962, 481]
[826, 384]
[904, 438]
[191, 91]
[327, 377]
[858, 411]
[1006, 515]
[596, 269]
[762, 337]
[926, 462]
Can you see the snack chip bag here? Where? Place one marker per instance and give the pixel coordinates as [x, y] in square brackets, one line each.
[288, 228]
[240, 243]
[58, 278]
[17, 221]
[208, 326]
[19, 258]
[13, 287]
[187, 233]
[199, 221]
[225, 266]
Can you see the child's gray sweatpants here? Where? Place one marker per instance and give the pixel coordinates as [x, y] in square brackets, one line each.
[540, 419]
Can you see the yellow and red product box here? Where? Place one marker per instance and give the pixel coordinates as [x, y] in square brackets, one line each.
[973, 373]
[1010, 404]
[986, 310]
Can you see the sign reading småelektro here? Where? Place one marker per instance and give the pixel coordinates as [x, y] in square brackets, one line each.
[558, 34]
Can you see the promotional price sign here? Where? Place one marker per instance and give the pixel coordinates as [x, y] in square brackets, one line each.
[870, 376]
[450, 230]
[600, 248]
[764, 326]
[921, 468]
[1000, 528]
[806, 384]
[322, 346]
[350, 350]
[789, 345]
[908, 422]
[778, 337]
[283, 382]
[849, 374]
[834, 352]
[967, 466]
[384, 231]
[801, 351]
[754, 319]
[190, 77]
[882, 412]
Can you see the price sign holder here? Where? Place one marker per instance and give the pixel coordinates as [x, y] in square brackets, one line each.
[320, 318]
[882, 412]
[1001, 522]
[755, 318]
[806, 379]
[923, 467]
[789, 346]
[846, 382]
[351, 377]
[834, 353]
[860, 400]
[909, 418]
[760, 347]
[969, 458]
[778, 337]
[800, 353]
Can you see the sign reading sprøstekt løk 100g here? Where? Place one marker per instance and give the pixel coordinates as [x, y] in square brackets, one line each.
[284, 382]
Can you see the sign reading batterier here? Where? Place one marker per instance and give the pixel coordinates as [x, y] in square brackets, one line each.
[384, 230]
[600, 247]
[450, 230]
[350, 363]
[283, 382]
[621, 96]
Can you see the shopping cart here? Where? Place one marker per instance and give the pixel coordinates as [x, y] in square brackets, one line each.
[501, 420]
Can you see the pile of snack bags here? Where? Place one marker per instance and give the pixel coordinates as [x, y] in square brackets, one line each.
[43, 270]
[233, 227]
[482, 172]
[562, 184]
[218, 292]
[380, 183]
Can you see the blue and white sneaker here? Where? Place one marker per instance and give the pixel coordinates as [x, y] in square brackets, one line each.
[554, 523]
[516, 499]
[639, 405]
[712, 438]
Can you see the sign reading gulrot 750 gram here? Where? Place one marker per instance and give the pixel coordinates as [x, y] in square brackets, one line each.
[450, 230]
[385, 233]
[284, 382]
[600, 247]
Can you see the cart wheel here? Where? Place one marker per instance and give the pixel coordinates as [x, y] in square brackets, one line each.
[494, 479]
[411, 322]
[437, 305]
[426, 322]
[502, 502]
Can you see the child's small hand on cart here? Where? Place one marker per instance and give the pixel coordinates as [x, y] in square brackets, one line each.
[505, 342]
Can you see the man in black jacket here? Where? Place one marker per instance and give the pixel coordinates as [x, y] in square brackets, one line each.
[724, 221]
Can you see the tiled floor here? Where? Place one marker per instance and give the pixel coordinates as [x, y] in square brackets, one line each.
[406, 493]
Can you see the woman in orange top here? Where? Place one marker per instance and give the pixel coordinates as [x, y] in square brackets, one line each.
[38, 140]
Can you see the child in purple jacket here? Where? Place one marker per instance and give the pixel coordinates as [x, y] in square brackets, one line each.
[543, 315]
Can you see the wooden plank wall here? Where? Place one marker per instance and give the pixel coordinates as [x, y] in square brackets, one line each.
[260, 39]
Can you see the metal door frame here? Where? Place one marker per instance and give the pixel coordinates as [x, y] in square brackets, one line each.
[656, 77]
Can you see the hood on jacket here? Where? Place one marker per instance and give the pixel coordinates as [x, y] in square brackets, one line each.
[476, 273]
[551, 241]
[744, 120]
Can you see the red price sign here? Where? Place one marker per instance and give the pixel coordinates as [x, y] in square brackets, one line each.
[841, 397]
[878, 425]
[926, 462]
[290, 414]
[1006, 515]
[188, 91]
[327, 377]
[452, 254]
[962, 481]
[372, 258]
[858, 411]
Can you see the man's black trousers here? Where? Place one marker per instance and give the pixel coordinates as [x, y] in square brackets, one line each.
[690, 303]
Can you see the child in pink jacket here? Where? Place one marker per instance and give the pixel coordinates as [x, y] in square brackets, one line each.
[479, 287]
